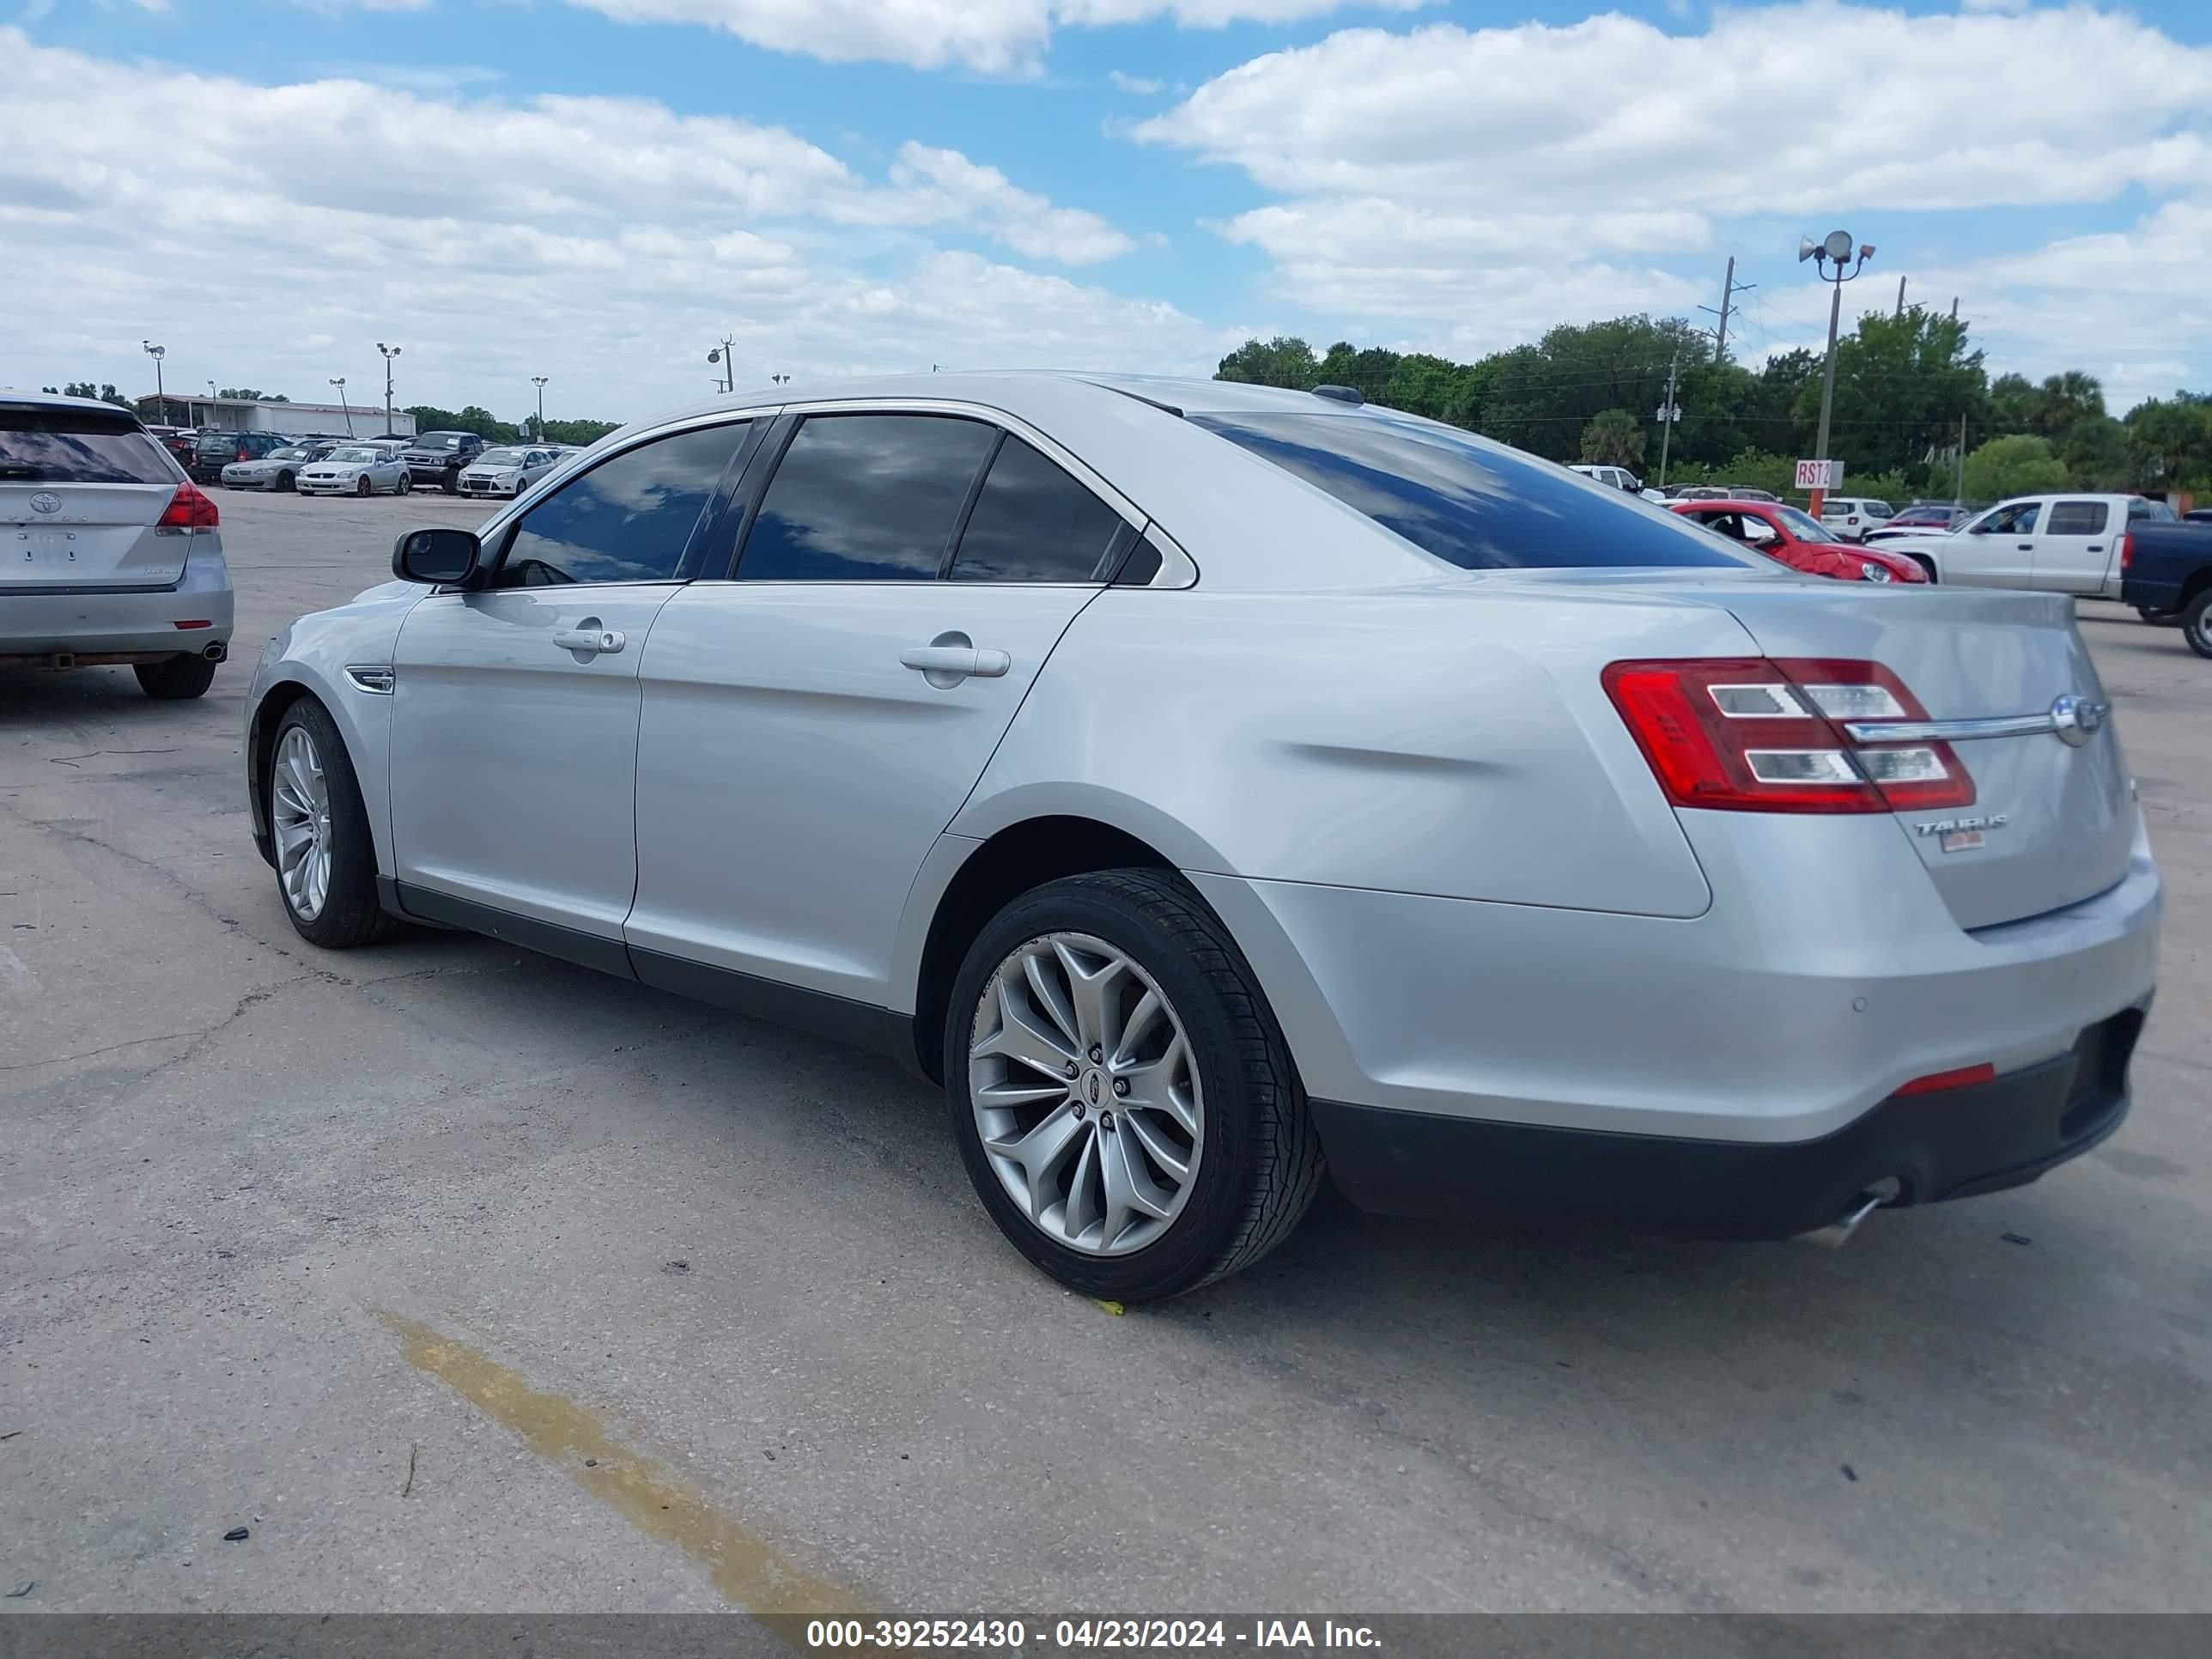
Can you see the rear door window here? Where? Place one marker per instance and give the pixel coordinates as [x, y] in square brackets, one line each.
[1471, 502]
[1033, 523]
[866, 498]
[72, 446]
[2077, 519]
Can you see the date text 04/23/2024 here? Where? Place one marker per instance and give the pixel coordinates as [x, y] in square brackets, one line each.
[1115, 1634]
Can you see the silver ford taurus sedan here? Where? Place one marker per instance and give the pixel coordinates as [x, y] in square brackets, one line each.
[1215, 787]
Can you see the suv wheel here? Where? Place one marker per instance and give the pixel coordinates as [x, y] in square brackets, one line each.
[325, 861]
[175, 679]
[1122, 1097]
[451, 483]
[2197, 623]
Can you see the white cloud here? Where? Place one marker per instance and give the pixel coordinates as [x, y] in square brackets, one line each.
[1141, 85]
[1483, 176]
[996, 37]
[269, 235]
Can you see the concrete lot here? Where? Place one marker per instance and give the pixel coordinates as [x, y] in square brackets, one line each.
[468, 1280]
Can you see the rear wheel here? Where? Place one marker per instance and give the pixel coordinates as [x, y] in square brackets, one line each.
[1123, 1098]
[406, 483]
[2197, 623]
[325, 861]
[175, 680]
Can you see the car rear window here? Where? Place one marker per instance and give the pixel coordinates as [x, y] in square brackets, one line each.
[1471, 502]
[73, 445]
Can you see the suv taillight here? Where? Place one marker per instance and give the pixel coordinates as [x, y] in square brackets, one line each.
[1767, 735]
[190, 509]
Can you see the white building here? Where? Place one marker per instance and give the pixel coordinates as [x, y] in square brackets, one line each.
[244, 414]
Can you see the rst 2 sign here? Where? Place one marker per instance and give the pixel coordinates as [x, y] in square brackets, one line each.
[1820, 474]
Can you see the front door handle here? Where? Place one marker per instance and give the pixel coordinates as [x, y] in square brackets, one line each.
[590, 638]
[951, 658]
[2027, 547]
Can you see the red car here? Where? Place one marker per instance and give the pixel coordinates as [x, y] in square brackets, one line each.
[1798, 540]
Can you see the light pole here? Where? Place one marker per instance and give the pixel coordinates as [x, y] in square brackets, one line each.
[344, 407]
[1835, 249]
[727, 354]
[538, 380]
[214, 420]
[161, 398]
[389, 352]
[780, 379]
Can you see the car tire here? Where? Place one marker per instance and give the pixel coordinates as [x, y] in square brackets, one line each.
[363, 487]
[1250, 1160]
[285, 482]
[1928, 565]
[315, 811]
[451, 483]
[406, 483]
[2197, 623]
[175, 679]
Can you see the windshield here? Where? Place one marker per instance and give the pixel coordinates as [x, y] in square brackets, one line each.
[439, 440]
[1470, 502]
[290, 453]
[501, 458]
[1803, 525]
[356, 457]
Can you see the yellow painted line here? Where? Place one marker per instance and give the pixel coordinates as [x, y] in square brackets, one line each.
[747, 1570]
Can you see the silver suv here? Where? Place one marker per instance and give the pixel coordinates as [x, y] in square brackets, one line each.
[1211, 785]
[108, 553]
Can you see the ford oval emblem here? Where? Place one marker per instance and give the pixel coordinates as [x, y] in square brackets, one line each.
[46, 502]
[2077, 720]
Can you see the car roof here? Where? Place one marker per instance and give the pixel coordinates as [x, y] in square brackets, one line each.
[56, 400]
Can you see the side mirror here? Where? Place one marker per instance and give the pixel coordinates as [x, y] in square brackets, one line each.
[440, 557]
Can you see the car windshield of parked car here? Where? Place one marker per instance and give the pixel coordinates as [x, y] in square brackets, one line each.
[439, 440]
[68, 446]
[290, 453]
[1475, 504]
[1802, 525]
[354, 456]
[501, 458]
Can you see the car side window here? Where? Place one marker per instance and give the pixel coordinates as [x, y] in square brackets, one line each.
[866, 498]
[2017, 520]
[2077, 519]
[629, 520]
[1033, 523]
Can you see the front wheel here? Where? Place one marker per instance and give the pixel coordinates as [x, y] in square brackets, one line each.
[406, 483]
[1927, 565]
[284, 482]
[1123, 1098]
[364, 488]
[2197, 623]
[326, 861]
[451, 483]
[176, 679]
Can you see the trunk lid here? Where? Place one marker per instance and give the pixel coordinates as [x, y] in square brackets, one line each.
[2057, 822]
[81, 493]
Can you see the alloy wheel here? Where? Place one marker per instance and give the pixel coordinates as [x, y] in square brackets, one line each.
[1086, 1097]
[300, 814]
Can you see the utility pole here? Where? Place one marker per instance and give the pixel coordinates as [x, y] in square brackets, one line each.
[1669, 412]
[1959, 489]
[348, 408]
[538, 380]
[389, 352]
[1900, 296]
[1729, 288]
[1836, 247]
[158, 352]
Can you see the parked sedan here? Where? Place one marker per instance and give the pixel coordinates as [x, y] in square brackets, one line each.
[1799, 541]
[279, 469]
[1922, 520]
[356, 469]
[1215, 786]
[508, 471]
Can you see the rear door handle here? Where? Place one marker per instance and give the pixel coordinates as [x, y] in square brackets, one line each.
[959, 659]
[590, 638]
[2096, 547]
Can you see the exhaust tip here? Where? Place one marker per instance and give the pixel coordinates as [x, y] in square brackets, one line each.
[216, 652]
[1838, 1232]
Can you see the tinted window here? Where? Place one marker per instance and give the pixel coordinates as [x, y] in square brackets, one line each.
[2157, 512]
[2077, 519]
[2016, 521]
[1479, 505]
[70, 446]
[862, 498]
[1033, 523]
[628, 520]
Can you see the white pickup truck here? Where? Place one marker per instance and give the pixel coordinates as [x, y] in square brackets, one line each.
[2066, 543]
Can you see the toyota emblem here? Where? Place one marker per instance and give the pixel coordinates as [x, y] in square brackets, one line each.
[2077, 720]
[46, 502]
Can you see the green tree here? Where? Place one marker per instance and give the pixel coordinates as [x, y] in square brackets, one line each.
[2096, 454]
[250, 395]
[428, 418]
[105, 393]
[577, 432]
[1902, 384]
[2063, 402]
[1613, 437]
[2012, 403]
[2018, 464]
[1283, 360]
[2170, 440]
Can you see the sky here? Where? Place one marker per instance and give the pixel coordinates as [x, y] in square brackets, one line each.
[601, 191]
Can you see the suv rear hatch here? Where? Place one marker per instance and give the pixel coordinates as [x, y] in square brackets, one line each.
[81, 495]
[2051, 822]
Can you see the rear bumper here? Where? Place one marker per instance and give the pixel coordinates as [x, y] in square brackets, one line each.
[95, 623]
[1953, 1144]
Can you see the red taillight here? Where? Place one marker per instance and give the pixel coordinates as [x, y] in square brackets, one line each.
[241, 453]
[190, 509]
[1762, 735]
[1936, 1082]
[2127, 551]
